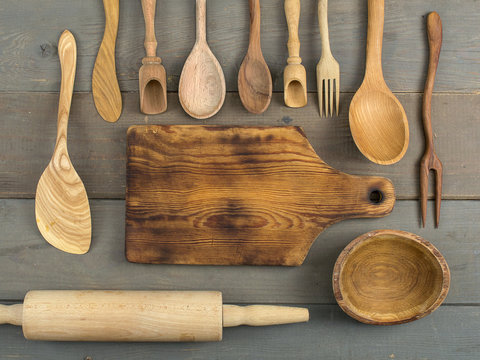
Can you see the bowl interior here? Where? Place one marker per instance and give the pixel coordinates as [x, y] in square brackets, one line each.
[390, 279]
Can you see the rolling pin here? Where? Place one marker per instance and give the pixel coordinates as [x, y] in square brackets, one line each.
[137, 315]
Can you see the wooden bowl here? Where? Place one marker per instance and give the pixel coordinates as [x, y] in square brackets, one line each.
[388, 277]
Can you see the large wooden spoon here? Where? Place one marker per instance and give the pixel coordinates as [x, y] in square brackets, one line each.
[378, 121]
[61, 202]
[202, 84]
[254, 79]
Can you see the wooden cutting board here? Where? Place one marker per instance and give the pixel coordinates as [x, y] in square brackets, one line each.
[236, 195]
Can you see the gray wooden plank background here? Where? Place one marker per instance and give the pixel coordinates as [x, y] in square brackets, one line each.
[29, 85]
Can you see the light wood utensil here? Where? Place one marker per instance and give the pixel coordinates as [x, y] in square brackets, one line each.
[105, 89]
[152, 76]
[254, 79]
[202, 84]
[294, 75]
[388, 277]
[137, 315]
[328, 70]
[430, 160]
[378, 121]
[61, 203]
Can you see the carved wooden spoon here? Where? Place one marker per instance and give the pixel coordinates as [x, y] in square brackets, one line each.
[254, 79]
[202, 84]
[378, 121]
[61, 203]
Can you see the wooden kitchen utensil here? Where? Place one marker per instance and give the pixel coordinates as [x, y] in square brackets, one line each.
[388, 277]
[430, 160]
[152, 76]
[378, 121]
[236, 195]
[328, 70]
[254, 79]
[294, 75]
[61, 203]
[105, 89]
[137, 315]
[202, 84]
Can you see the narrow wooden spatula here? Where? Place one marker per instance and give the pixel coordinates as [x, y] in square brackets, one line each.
[61, 203]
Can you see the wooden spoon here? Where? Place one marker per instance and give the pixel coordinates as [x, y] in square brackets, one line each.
[202, 84]
[105, 89]
[378, 121]
[152, 76]
[294, 75]
[61, 203]
[254, 79]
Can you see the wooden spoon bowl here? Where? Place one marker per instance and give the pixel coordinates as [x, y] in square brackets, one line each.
[388, 277]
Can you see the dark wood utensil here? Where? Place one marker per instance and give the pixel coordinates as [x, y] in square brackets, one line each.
[430, 160]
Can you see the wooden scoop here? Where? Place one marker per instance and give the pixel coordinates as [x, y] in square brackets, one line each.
[105, 89]
[254, 79]
[378, 121]
[294, 75]
[152, 75]
[202, 84]
[61, 203]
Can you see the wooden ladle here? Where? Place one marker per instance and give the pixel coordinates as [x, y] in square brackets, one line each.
[254, 79]
[202, 84]
[61, 203]
[378, 121]
[152, 76]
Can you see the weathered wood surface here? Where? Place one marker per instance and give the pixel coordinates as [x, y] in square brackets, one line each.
[28, 57]
[29, 263]
[97, 149]
[450, 333]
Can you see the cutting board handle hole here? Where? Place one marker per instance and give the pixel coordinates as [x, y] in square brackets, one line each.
[376, 197]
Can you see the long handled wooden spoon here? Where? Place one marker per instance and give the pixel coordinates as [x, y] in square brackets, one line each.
[294, 75]
[378, 121]
[105, 89]
[254, 79]
[152, 76]
[61, 203]
[202, 84]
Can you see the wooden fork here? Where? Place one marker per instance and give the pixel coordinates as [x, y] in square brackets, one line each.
[328, 70]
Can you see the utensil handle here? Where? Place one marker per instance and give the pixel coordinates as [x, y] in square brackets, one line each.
[262, 315]
[292, 13]
[148, 7]
[254, 24]
[11, 314]
[434, 31]
[323, 24]
[376, 14]
[201, 21]
[67, 52]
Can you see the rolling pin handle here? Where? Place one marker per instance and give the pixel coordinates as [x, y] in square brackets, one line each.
[262, 315]
[11, 314]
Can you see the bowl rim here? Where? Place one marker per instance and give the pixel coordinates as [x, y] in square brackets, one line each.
[339, 265]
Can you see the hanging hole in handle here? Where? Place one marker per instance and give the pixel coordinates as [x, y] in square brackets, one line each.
[376, 197]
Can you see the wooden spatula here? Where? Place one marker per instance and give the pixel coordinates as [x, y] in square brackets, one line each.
[105, 89]
[61, 203]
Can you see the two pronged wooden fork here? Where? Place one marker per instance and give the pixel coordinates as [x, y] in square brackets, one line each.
[328, 70]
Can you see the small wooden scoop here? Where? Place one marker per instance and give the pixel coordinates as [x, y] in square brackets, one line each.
[294, 75]
[61, 202]
[152, 75]
[254, 79]
[202, 84]
[378, 121]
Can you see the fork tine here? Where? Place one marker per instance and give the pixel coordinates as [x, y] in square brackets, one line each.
[320, 95]
[423, 191]
[438, 194]
[337, 87]
[330, 95]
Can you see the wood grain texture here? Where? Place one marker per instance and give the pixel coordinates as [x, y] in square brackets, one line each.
[105, 89]
[450, 333]
[202, 88]
[236, 195]
[98, 150]
[377, 119]
[254, 79]
[62, 210]
[389, 277]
